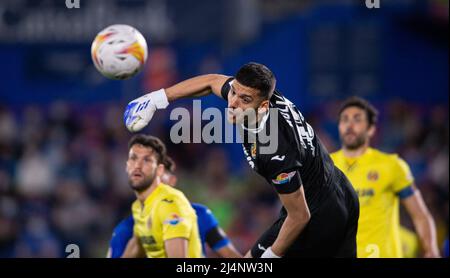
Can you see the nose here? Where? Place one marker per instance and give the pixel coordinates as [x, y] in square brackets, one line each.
[138, 164]
[349, 127]
[233, 103]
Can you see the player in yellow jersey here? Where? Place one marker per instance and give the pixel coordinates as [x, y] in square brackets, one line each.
[165, 224]
[382, 181]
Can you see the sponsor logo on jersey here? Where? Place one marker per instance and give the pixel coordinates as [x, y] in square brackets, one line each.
[174, 220]
[367, 192]
[283, 178]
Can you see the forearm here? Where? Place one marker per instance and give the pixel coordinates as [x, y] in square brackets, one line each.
[176, 248]
[298, 216]
[197, 86]
[133, 249]
[229, 251]
[140, 111]
[290, 230]
[423, 223]
[426, 231]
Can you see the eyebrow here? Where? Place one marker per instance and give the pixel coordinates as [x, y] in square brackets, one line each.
[242, 94]
[145, 156]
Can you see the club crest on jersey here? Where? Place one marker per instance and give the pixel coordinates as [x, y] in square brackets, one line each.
[372, 176]
[253, 150]
[283, 178]
[174, 220]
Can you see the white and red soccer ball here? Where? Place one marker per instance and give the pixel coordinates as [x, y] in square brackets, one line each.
[119, 51]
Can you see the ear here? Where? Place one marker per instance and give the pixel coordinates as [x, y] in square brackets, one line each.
[160, 170]
[264, 106]
[372, 130]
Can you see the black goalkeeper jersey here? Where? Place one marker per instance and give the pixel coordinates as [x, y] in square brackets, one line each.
[299, 158]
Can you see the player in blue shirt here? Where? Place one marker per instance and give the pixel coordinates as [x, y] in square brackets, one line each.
[209, 229]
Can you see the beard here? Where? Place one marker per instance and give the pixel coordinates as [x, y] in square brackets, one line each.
[143, 184]
[355, 143]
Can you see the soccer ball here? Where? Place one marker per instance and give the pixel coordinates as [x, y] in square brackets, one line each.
[119, 51]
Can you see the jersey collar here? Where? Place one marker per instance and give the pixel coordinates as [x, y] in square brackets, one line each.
[153, 195]
[260, 125]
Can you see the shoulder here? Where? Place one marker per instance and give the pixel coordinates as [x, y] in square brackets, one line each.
[391, 158]
[125, 224]
[135, 205]
[200, 209]
[170, 196]
[205, 215]
[393, 161]
[335, 155]
[379, 155]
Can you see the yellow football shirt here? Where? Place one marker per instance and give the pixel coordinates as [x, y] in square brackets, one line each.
[166, 214]
[380, 179]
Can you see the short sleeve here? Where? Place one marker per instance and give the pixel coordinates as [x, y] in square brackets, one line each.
[205, 217]
[282, 168]
[287, 181]
[177, 218]
[403, 177]
[215, 237]
[226, 88]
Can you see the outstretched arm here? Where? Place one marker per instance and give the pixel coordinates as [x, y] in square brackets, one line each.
[140, 111]
[197, 86]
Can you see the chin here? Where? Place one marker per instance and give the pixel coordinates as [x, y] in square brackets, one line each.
[139, 186]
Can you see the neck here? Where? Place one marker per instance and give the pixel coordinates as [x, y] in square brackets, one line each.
[143, 195]
[355, 152]
[258, 123]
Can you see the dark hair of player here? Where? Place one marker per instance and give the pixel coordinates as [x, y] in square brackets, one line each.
[371, 111]
[151, 142]
[169, 164]
[257, 76]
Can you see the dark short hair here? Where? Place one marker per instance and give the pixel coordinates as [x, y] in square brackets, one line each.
[169, 164]
[371, 111]
[257, 76]
[151, 142]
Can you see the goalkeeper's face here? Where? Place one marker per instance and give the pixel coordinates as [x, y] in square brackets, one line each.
[142, 167]
[245, 104]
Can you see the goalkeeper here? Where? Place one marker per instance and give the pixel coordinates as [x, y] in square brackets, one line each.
[319, 217]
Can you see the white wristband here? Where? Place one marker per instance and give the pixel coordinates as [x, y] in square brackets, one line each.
[270, 254]
[160, 99]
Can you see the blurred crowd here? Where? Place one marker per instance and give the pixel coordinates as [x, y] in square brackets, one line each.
[63, 180]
